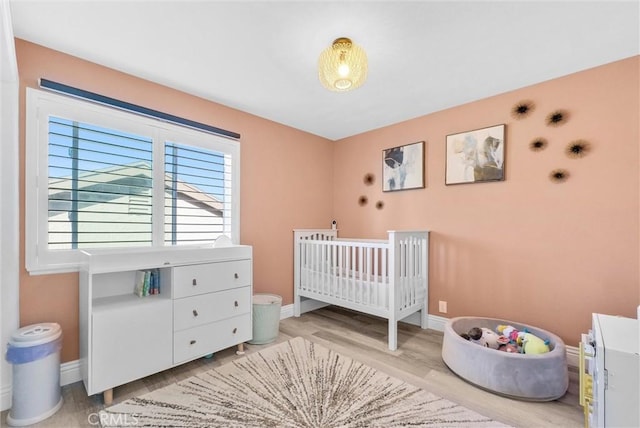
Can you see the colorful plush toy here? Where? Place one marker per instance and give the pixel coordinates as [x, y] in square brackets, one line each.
[485, 337]
[532, 344]
[528, 343]
[508, 331]
[509, 347]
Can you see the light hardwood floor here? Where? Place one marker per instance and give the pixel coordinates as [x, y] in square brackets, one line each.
[361, 337]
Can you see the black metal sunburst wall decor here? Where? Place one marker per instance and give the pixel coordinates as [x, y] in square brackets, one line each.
[522, 109]
[369, 179]
[538, 144]
[577, 149]
[559, 175]
[557, 118]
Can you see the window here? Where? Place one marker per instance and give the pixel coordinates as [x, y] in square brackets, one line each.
[100, 187]
[197, 194]
[115, 179]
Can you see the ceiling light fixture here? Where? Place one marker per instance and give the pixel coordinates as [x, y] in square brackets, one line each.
[342, 66]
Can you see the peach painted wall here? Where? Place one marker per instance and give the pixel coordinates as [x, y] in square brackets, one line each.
[525, 249]
[275, 195]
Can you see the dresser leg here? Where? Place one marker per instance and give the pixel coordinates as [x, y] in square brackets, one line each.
[240, 350]
[108, 397]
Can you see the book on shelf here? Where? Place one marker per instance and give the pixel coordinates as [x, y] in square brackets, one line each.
[139, 284]
[156, 281]
[147, 282]
[147, 276]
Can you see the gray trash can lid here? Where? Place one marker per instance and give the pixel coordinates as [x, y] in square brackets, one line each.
[36, 334]
[266, 299]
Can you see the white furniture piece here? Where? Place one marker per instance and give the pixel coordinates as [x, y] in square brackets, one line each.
[204, 305]
[610, 372]
[386, 278]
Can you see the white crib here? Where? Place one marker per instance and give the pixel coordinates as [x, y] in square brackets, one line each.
[386, 278]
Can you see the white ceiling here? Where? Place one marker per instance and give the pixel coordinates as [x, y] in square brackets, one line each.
[261, 56]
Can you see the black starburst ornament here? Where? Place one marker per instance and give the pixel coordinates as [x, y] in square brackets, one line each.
[538, 144]
[559, 175]
[369, 179]
[577, 149]
[557, 118]
[522, 109]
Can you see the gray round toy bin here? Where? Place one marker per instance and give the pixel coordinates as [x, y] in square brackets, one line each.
[34, 351]
[266, 318]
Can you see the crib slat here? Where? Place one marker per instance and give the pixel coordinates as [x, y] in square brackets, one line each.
[385, 279]
[340, 273]
[368, 283]
[334, 259]
[403, 274]
[370, 277]
[318, 267]
[323, 268]
[356, 275]
[374, 291]
[412, 273]
[352, 267]
[305, 263]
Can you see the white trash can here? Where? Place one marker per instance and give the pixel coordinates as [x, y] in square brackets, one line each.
[34, 351]
[266, 318]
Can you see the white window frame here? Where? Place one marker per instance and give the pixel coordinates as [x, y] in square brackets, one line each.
[42, 104]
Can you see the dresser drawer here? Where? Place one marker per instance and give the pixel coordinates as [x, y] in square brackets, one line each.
[197, 310]
[193, 280]
[205, 339]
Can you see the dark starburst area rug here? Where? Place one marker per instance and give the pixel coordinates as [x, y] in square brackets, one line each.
[293, 384]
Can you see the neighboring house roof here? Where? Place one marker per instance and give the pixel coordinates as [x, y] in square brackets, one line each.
[111, 183]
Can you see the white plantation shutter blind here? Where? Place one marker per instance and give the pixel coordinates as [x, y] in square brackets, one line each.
[197, 194]
[97, 177]
[100, 187]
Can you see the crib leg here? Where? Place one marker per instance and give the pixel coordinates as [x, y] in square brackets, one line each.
[424, 316]
[393, 334]
[296, 305]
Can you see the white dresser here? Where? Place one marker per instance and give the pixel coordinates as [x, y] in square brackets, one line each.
[204, 305]
[610, 372]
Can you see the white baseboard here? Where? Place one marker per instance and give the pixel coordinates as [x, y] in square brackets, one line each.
[573, 356]
[434, 322]
[69, 373]
[286, 311]
[5, 398]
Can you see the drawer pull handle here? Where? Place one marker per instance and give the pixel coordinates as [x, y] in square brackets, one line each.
[195, 313]
[235, 303]
[193, 342]
[235, 330]
[235, 275]
[194, 282]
